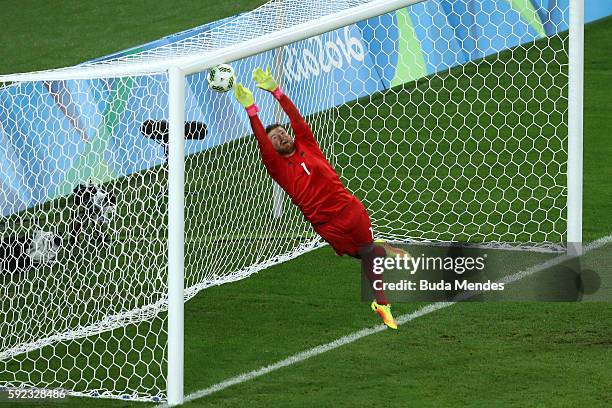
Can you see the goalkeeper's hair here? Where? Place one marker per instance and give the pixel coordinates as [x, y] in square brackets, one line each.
[273, 126]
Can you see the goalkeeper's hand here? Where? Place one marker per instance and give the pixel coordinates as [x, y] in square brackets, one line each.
[243, 95]
[264, 80]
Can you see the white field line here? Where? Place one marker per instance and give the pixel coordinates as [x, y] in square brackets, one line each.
[342, 341]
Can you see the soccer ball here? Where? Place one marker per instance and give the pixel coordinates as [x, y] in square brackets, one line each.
[43, 247]
[221, 78]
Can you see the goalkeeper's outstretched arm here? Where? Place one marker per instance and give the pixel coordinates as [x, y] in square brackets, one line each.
[268, 154]
[264, 80]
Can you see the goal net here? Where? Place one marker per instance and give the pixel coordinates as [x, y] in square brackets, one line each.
[448, 119]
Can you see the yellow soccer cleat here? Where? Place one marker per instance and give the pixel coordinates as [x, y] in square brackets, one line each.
[385, 313]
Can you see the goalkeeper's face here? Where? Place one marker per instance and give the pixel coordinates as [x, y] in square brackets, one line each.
[281, 141]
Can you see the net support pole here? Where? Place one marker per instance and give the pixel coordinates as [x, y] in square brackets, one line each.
[575, 127]
[176, 235]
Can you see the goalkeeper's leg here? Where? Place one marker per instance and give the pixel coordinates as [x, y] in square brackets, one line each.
[367, 254]
[351, 233]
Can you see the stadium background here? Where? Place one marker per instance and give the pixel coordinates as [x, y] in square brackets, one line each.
[522, 354]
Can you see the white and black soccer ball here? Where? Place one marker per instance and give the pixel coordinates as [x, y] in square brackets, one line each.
[221, 78]
[44, 247]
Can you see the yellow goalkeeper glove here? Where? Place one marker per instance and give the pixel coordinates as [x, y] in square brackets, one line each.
[264, 80]
[243, 95]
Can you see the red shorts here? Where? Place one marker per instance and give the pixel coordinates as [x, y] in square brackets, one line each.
[349, 230]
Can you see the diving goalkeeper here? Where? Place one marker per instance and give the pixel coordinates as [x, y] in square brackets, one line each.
[300, 168]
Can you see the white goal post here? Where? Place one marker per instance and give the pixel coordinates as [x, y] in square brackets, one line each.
[451, 120]
[575, 125]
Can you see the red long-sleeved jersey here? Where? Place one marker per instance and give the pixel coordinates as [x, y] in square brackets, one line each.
[306, 176]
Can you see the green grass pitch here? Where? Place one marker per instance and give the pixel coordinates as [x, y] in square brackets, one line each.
[477, 354]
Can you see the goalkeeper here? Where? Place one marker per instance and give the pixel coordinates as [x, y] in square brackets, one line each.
[301, 169]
